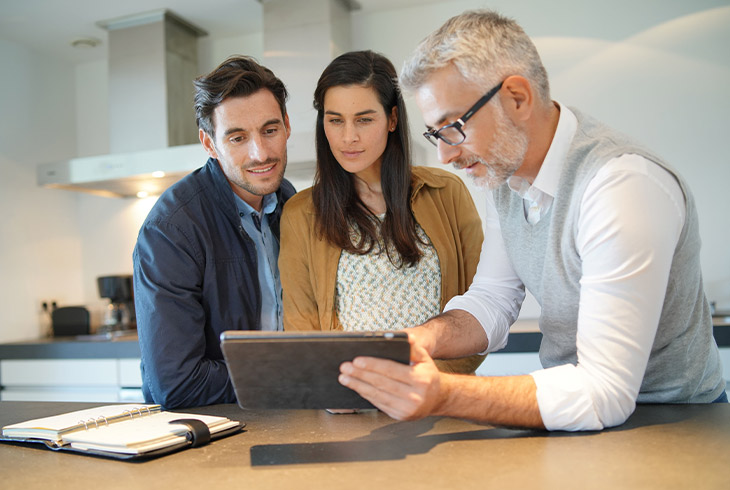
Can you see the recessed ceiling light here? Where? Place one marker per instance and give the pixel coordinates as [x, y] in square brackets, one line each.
[85, 42]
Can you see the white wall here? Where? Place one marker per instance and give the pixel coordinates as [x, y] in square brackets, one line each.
[212, 53]
[658, 70]
[92, 108]
[40, 243]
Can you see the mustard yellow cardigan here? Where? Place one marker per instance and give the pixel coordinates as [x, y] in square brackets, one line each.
[443, 207]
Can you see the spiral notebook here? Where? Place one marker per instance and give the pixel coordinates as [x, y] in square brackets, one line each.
[122, 431]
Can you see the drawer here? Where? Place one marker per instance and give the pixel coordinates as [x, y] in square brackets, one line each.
[59, 372]
[59, 394]
[129, 373]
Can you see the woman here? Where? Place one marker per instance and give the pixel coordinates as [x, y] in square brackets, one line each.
[375, 244]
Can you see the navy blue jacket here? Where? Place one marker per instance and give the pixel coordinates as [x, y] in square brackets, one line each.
[194, 277]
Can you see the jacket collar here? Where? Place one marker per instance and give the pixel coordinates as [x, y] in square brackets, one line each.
[221, 189]
[223, 193]
[421, 177]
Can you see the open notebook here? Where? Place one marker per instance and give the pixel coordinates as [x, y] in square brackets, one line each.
[122, 431]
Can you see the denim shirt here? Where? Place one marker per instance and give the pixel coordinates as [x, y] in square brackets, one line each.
[257, 226]
[195, 276]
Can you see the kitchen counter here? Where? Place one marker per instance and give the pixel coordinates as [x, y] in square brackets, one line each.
[660, 446]
[91, 368]
[524, 337]
[71, 369]
[89, 347]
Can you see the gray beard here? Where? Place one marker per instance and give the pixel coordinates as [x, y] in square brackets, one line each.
[506, 155]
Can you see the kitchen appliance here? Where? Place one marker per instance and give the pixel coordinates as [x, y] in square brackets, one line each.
[152, 59]
[119, 315]
[70, 320]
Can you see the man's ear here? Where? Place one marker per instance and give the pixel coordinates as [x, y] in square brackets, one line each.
[518, 98]
[287, 125]
[207, 143]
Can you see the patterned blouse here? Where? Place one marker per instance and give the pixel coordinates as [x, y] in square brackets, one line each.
[373, 294]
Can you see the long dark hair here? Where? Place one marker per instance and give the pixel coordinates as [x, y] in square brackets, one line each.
[336, 202]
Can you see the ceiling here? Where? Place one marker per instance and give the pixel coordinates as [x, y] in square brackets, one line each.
[50, 26]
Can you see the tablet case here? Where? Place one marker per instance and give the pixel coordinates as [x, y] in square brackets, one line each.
[286, 370]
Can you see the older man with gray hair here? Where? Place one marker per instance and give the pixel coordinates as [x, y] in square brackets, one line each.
[600, 230]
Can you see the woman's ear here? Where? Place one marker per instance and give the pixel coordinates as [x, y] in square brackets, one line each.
[393, 119]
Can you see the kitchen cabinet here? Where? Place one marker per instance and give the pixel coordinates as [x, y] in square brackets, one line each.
[66, 369]
[520, 356]
[63, 369]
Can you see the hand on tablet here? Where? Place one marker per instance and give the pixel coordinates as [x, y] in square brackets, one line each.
[403, 392]
[421, 337]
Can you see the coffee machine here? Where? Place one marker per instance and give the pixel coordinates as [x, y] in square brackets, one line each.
[119, 315]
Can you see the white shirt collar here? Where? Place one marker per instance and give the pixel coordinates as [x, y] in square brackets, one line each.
[549, 174]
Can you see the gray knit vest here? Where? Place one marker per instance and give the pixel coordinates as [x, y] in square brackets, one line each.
[684, 364]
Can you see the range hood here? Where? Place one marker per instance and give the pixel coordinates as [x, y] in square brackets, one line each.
[153, 140]
[152, 61]
[149, 173]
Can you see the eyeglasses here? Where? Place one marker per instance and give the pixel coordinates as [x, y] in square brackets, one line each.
[452, 134]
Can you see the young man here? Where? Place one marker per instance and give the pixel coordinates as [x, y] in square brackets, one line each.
[206, 256]
[600, 230]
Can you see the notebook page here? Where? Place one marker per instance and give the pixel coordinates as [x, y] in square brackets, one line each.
[52, 428]
[143, 434]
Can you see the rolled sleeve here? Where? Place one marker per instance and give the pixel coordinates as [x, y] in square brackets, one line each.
[626, 256]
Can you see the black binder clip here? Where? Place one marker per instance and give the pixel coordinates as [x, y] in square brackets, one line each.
[199, 434]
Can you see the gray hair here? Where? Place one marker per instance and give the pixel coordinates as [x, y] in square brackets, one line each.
[484, 47]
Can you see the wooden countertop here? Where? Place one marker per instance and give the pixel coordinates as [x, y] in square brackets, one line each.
[661, 446]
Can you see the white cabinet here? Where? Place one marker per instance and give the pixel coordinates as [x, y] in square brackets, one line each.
[509, 363]
[87, 380]
[725, 359]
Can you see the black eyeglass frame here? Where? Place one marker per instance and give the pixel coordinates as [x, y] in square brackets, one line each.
[432, 135]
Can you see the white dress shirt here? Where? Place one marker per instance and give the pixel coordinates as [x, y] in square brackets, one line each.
[631, 217]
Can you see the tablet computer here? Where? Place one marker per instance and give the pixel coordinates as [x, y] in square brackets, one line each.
[300, 369]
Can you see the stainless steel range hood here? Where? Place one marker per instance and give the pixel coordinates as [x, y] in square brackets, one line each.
[152, 62]
[153, 137]
[133, 174]
[149, 173]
